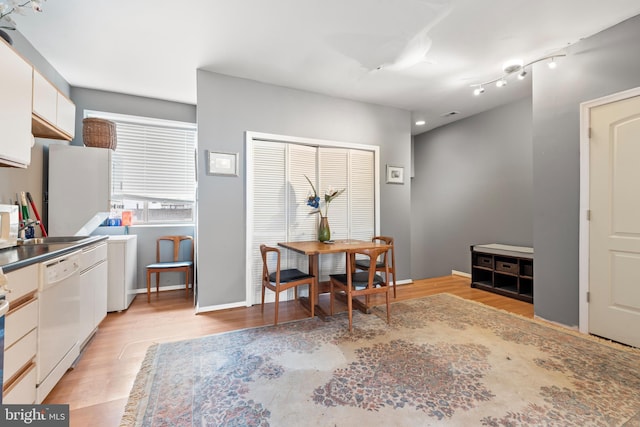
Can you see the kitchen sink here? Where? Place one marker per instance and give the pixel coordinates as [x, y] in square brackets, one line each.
[50, 240]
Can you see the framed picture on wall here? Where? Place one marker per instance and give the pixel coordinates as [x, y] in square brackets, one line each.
[222, 163]
[395, 174]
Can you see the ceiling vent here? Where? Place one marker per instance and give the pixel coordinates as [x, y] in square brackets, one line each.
[450, 113]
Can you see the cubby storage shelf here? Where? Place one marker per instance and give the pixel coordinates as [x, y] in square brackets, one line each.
[503, 269]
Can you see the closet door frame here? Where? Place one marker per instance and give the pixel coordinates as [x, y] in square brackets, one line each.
[250, 137]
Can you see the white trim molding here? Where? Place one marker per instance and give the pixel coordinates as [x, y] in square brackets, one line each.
[460, 273]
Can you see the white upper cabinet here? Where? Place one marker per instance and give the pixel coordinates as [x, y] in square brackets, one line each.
[53, 113]
[45, 98]
[15, 108]
[66, 115]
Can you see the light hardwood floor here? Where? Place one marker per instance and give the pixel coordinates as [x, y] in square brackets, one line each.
[98, 388]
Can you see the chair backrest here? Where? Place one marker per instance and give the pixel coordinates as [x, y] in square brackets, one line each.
[373, 254]
[264, 251]
[388, 241]
[177, 242]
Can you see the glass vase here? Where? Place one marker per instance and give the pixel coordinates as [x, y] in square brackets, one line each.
[324, 232]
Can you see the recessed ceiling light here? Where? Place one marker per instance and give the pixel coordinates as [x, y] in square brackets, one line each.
[420, 123]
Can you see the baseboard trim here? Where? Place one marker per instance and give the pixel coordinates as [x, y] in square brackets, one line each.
[461, 273]
[220, 307]
[162, 288]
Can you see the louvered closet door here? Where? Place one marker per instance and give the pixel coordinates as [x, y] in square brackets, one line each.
[301, 161]
[269, 210]
[361, 195]
[279, 209]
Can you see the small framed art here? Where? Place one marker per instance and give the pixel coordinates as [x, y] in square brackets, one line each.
[225, 164]
[395, 174]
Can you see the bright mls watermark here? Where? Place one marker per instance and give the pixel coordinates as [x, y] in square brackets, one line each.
[34, 415]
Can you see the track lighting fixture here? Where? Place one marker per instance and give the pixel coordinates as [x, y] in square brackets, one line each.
[512, 67]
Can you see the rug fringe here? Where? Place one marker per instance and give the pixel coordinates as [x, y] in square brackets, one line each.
[140, 391]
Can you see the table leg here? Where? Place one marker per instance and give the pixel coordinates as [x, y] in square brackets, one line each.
[315, 271]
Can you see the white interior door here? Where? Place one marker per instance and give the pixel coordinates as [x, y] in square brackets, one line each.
[614, 228]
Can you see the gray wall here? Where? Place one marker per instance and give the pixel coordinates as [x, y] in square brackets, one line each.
[600, 65]
[472, 185]
[227, 107]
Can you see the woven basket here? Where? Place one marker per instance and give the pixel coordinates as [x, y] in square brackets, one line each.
[99, 133]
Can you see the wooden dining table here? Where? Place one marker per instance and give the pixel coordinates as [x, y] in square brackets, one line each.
[313, 249]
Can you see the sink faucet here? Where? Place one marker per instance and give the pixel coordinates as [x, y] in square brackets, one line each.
[25, 224]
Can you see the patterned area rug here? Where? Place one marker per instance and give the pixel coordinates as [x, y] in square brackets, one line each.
[443, 361]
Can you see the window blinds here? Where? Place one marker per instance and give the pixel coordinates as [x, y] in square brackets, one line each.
[154, 159]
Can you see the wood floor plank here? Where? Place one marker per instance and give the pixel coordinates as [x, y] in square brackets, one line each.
[97, 389]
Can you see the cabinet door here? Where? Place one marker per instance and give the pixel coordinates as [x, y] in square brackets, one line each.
[100, 294]
[66, 115]
[93, 299]
[15, 108]
[45, 98]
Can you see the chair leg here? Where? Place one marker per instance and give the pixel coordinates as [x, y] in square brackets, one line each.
[157, 281]
[263, 289]
[186, 283]
[350, 308]
[277, 303]
[312, 297]
[149, 286]
[394, 284]
[388, 307]
[331, 297]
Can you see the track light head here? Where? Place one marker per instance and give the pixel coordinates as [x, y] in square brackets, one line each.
[522, 75]
[501, 83]
[553, 64]
[479, 90]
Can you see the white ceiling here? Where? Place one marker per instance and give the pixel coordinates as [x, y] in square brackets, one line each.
[429, 51]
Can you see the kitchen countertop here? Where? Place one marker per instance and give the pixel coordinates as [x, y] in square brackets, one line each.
[22, 256]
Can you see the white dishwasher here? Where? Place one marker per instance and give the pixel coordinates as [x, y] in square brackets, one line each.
[59, 320]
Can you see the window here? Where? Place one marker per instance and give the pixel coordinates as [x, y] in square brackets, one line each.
[153, 168]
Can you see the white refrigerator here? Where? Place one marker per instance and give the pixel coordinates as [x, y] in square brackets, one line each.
[79, 186]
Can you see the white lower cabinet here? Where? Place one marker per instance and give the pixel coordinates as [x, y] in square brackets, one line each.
[21, 332]
[93, 290]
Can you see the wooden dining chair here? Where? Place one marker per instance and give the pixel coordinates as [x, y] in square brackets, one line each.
[388, 257]
[357, 283]
[176, 264]
[279, 280]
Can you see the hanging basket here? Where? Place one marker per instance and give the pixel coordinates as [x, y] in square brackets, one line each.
[99, 133]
